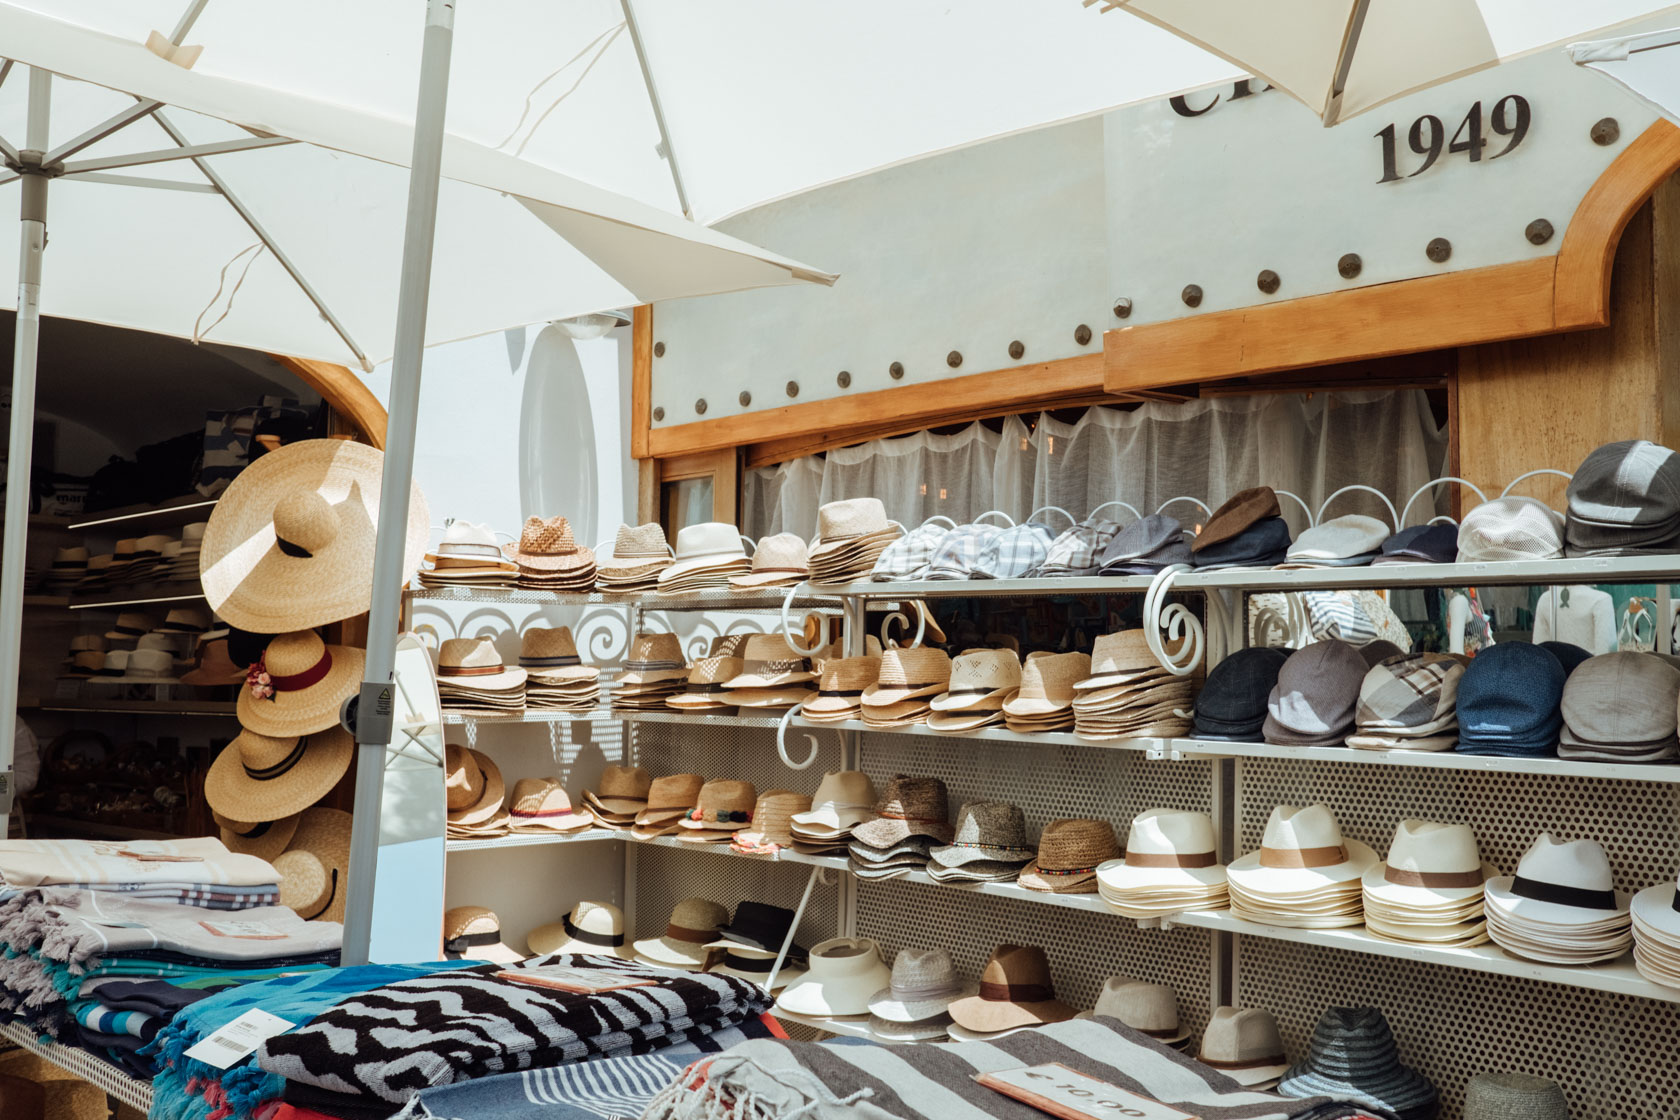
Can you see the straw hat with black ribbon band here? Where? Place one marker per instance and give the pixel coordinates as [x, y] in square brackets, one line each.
[315, 869]
[290, 543]
[595, 928]
[258, 778]
[546, 545]
[909, 674]
[768, 662]
[693, 925]
[550, 656]
[298, 685]
[840, 687]
[669, 799]
[654, 657]
[622, 792]
[129, 626]
[263, 839]
[708, 685]
[475, 933]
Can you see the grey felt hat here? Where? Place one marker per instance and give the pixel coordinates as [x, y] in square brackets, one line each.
[987, 831]
[1317, 690]
[1514, 1096]
[1620, 707]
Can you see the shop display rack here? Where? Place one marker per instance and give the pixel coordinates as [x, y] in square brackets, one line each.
[139, 601]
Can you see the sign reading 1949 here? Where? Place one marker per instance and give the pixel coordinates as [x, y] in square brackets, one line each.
[1510, 118]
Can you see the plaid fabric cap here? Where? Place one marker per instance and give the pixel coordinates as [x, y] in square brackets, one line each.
[908, 557]
[1415, 694]
[1013, 553]
[1075, 552]
[960, 550]
[1338, 615]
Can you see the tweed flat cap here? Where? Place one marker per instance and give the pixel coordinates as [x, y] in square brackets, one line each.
[1409, 702]
[1075, 552]
[1261, 545]
[1146, 546]
[1232, 706]
[1620, 707]
[1239, 513]
[1508, 702]
[1313, 702]
[1625, 499]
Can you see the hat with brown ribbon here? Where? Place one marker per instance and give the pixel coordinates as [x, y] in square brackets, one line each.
[259, 778]
[778, 561]
[693, 925]
[298, 685]
[476, 664]
[1303, 851]
[654, 657]
[1015, 991]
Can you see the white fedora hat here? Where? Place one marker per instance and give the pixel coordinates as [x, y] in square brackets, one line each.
[1245, 1045]
[1302, 852]
[1150, 1008]
[1166, 848]
[1428, 864]
[711, 544]
[1558, 883]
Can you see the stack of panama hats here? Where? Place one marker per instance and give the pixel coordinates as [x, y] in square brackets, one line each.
[915, 1005]
[1429, 890]
[1306, 875]
[1069, 853]
[84, 659]
[1514, 1096]
[96, 576]
[981, 679]
[707, 554]
[1561, 907]
[840, 687]
[1409, 702]
[549, 559]
[851, 535]
[706, 691]
[778, 561]
[540, 805]
[1078, 551]
[772, 823]
[639, 554]
[772, 676]
[1625, 500]
[653, 672]
[473, 792]
[1014, 552]
[622, 795]
[1244, 1044]
[147, 561]
[1149, 1008]
[1146, 546]
[184, 620]
[69, 565]
[1232, 703]
[592, 928]
[1421, 544]
[988, 845]
[468, 556]
[693, 926]
[1620, 707]
[1016, 991]
[1509, 702]
[129, 628]
[1316, 695]
[669, 800]
[906, 685]
[471, 677]
[1171, 865]
[182, 562]
[1248, 530]
[1348, 541]
[1129, 693]
[1512, 528]
[752, 940]
[555, 676]
[1656, 933]
[723, 807]
[912, 815]
[844, 800]
[1044, 702]
[1353, 1057]
[149, 666]
[114, 666]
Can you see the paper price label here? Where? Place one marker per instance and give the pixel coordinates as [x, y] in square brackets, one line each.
[1070, 1095]
[238, 1039]
[245, 931]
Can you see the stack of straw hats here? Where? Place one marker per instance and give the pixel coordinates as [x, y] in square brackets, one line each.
[915, 1006]
[772, 823]
[706, 688]
[653, 672]
[778, 561]
[1244, 1044]
[1354, 1057]
[1149, 1008]
[1429, 889]
[1171, 865]
[471, 677]
[639, 554]
[844, 800]
[69, 565]
[981, 680]
[1656, 934]
[1044, 702]
[555, 676]
[1561, 907]
[1409, 703]
[129, 628]
[622, 795]
[1130, 694]
[549, 559]
[840, 687]
[912, 816]
[1016, 992]
[1306, 875]
[181, 562]
[1600, 724]
[258, 786]
[1317, 691]
[669, 800]
[988, 845]
[1069, 853]
[723, 808]
[706, 556]
[851, 535]
[1509, 702]
[772, 676]
[906, 685]
[468, 556]
[693, 926]
[540, 806]
[314, 869]
[473, 792]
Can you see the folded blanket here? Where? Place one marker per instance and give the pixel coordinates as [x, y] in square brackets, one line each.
[86, 924]
[192, 894]
[204, 860]
[768, 1079]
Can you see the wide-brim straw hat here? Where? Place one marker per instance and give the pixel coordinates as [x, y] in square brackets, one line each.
[263, 839]
[546, 545]
[980, 679]
[623, 791]
[489, 801]
[1024, 973]
[322, 497]
[258, 778]
[767, 661]
[474, 664]
[772, 821]
[315, 869]
[908, 674]
[308, 682]
[723, 805]
[541, 803]
[475, 933]
[693, 926]
[1047, 683]
[851, 522]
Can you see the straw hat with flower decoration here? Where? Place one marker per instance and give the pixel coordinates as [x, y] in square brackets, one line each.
[298, 685]
[723, 808]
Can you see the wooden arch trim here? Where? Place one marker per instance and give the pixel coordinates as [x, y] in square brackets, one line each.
[1569, 291]
[344, 391]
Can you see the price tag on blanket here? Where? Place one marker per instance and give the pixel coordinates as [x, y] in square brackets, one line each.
[239, 1038]
[1066, 1093]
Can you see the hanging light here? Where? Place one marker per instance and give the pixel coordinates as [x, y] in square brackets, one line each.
[594, 325]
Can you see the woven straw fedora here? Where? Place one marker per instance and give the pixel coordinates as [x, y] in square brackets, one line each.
[707, 685]
[263, 839]
[546, 545]
[772, 819]
[980, 679]
[841, 684]
[550, 655]
[724, 806]
[637, 547]
[1015, 991]
[654, 657]
[474, 933]
[1118, 658]
[290, 543]
[463, 781]
[475, 663]
[924, 984]
[487, 803]
[1069, 851]
[670, 798]
[314, 871]
[854, 521]
[1047, 683]
[298, 684]
[539, 804]
[596, 928]
[257, 778]
[908, 674]
[778, 560]
[768, 662]
[908, 807]
[623, 791]
[693, 925]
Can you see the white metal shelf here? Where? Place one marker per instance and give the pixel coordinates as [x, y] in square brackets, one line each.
[851, 1028]
[1429, 760]
[768, 599]
[117, 604]
[531, 840]
[177, 511]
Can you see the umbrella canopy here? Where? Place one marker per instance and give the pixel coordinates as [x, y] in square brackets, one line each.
[1647, 66]
[1342, 57]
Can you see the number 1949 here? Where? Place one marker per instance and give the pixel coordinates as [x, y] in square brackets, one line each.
[1427, 137]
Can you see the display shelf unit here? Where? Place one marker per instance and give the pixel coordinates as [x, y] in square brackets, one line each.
[1668, 773]
[137, 601]
[171, 512]
[221, 709]
[770, 599]
[116, 1083]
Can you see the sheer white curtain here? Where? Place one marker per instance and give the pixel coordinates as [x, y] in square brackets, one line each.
[1208, 449]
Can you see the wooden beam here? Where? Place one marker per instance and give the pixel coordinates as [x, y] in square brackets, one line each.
[346, 392]
[641, 380]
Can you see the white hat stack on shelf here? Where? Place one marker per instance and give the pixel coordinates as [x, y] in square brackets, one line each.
[1429, 890]
[1306, 875]
[468, 556]
[1171, 865]
[1561, 907]
[844, 800]
[1656, 934]
[851, 535]
[471, 676]
[707, 555]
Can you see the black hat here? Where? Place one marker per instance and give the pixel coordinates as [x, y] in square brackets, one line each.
[1568, 654]
[1432, 544]
[1261, 545]
[1232, 706]
[758, 925]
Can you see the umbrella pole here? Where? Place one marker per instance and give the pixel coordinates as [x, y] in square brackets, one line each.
[21, 449]
[375, 706]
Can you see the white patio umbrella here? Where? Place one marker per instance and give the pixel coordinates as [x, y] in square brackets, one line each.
[1342, 57]
[1647, 66]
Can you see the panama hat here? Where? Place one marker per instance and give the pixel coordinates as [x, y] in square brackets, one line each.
[315, 869]
[474, 933]
[979, 681]
[1429, 864]
[1068, 854]
[840, 687]
[669, 799]
[149, 666]
[550, 655]
[1244, 1044]
[1559, 886]
[1047, 682]
[924, 984]
[258, 778]
[778, 561]
[114, 665]
[129, 626]
[84, 665]
[476, 665]
[623, 791]
[654, 657]
[1015, 991]
[693, 926]
[1167, 848]
[636, 547]
[298, 685]
[596, 928]
[1302, 850]
[546, 545]
[908, 674]
[706, 555]
[841, 977]
[263, 839]
[290, 543]
[844, 800]
[486, 790]
[1149, 1008]
[541, 805]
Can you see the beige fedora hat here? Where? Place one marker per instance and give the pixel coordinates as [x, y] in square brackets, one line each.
[780, 560]
[623, 791]
[1428, 864]
[768, 662]
[1244, 1044]
[724, 806]
[258, 778]
[263, 839]
[637, 547]
[550, 655]
[840, 685]
[693, 926]
[596, 928]
[546, 545]
[1069, 851]
[908, 674]
[853, 521]
[315, 868]
[1302, 851]
[474, 933]
[298, 685]
[1146, 1007]
[541, 804]
[670, 798]
[1119, 658]
[1167, 848]
[149, 666]
[488, 789]
[1015, 991]
[475, 663]
[290, 543]
[844, 799]
[654, 657]
[1047, 683]
[772, 820]
[707, 686]
[980, 679]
